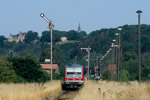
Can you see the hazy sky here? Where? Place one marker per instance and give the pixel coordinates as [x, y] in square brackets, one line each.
[24, 15]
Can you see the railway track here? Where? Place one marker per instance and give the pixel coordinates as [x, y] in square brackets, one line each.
[67, 95]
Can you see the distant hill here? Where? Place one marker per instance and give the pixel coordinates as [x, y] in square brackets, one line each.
[99, 42]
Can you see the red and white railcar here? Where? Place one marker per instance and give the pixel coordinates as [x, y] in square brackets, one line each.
[73, 76]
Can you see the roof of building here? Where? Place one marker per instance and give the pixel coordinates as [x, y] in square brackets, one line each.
[22, 33]
[111, 67]
[74, 65]
[15, 36]
[48, 66]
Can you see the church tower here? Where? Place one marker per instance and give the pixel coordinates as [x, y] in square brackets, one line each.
[79, 28]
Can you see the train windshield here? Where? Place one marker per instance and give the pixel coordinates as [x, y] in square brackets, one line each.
[74, 72]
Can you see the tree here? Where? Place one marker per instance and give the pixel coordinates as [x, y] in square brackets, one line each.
[56, 36]
[10, 45]
[45, 36]
[74, 35]
[28, 68]
[7, 74]
[145, 44]
[31, 37]
[106, 75]
[129, 55]
[125, 76]
[2, 38]
[57, 55]
[130, 64]
[145, 62]
[19, 47]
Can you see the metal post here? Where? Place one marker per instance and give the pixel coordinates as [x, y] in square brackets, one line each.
[51, 55]
[119, 55]
[97, 67]
[101, 69]
[116, 63]
[75, 60]
[88, 50]
[112, 75]
[139, 54]
[109, 63]
[51, 26]
[88, 63]
[112, 63]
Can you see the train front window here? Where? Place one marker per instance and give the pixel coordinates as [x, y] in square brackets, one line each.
[74, 72]
[78, 73]
[70, 73]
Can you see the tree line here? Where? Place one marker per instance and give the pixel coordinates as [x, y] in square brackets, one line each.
[69, 52]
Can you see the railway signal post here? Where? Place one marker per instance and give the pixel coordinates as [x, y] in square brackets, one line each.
[50, 26]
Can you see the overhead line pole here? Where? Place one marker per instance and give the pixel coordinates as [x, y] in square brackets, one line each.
[88, 50]
[119, 55]
[139, 47]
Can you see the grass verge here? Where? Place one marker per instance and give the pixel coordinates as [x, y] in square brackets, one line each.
[29, 91]
[104, 90]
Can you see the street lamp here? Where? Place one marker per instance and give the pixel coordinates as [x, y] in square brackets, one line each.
[88, 50]
[117, 34]
[139, 58]
[119, 52]
[51, 26]
[117, 56]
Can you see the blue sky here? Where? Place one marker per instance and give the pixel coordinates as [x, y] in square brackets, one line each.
[24, 15]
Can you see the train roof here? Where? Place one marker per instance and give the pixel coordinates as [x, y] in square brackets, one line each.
[74, 65]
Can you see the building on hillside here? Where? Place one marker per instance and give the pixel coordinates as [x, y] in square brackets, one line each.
[19, 37]
[47, 67]
[63, 39]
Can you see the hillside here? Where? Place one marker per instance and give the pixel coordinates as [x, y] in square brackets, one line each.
[99, 42]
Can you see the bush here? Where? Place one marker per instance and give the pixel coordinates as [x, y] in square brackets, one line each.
[106, 75]
[7, 74]
[29, 69]
[124, 76]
